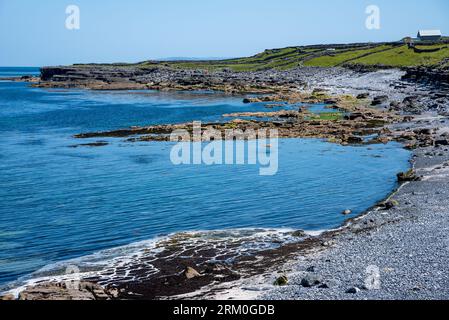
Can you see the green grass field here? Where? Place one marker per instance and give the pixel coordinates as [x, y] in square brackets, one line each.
[403, 57]
[339, 58]
[386, 54]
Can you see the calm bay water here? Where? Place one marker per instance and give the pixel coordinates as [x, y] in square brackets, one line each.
[59, 202]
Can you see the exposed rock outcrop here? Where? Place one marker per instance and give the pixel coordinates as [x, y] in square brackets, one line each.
[428, 74]
[63, 291]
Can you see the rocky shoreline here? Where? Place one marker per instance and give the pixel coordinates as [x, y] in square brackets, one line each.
[359, 121]
[387, 103]
[30, 79]
[395, 254]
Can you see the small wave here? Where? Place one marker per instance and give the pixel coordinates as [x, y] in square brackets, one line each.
[142, 260]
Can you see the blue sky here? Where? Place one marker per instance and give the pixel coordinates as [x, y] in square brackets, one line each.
[33, 33]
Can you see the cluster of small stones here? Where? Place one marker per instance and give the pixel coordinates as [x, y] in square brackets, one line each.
[420, 138]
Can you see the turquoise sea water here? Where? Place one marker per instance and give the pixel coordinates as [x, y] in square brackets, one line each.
[59, 202]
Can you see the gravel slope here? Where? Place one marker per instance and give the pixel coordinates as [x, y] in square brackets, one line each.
[408, 245]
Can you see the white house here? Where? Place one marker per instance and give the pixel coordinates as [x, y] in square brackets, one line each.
[429, 35]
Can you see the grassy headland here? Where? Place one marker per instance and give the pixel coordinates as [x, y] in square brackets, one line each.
[369, 54]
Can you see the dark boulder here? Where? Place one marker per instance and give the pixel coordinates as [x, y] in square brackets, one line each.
[363, 96]
[281, 281]
[439, 143]
[310, 280]
[408, 176]
[379, 100]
